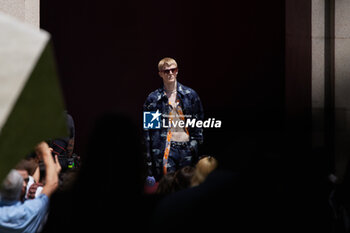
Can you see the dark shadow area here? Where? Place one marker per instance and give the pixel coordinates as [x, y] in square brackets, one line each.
[233, 55]
[107, 193]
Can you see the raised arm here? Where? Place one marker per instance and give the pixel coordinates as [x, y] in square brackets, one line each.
[43, 151]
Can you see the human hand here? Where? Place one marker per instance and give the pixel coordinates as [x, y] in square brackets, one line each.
[42, 149]
[58, 167]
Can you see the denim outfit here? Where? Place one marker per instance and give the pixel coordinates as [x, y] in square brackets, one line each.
[181, 154]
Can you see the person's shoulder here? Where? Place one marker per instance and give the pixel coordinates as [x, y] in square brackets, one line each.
[185, 90]
[12, 215]
[37, 203]
[154, 95]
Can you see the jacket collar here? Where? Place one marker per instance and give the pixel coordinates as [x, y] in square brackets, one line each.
[179, 88]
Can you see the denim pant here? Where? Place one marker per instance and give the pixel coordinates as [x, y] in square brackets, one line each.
[180, 156]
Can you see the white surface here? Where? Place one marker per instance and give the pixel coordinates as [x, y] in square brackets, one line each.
[32, 12]
[20, 47]
[25, 10]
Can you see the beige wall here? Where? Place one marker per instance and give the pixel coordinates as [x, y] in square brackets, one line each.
[342, 84]
[341, 75]
[25, 10]
[318, 72]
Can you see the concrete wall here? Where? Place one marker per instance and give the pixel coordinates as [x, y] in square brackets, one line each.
[25, 10]
[342, 85]
[341, 80]
[318, 71]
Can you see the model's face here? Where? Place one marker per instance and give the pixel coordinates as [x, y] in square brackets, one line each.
[169, 73]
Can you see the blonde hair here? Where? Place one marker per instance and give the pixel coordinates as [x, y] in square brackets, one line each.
[203, 168]
[167, 61]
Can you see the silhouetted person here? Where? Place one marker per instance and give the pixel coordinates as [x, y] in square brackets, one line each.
[203, 168]
[107, 194]
[183, 177]
[166, 184]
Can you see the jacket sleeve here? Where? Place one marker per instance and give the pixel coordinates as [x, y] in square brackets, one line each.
[196, 136]
[147, 142]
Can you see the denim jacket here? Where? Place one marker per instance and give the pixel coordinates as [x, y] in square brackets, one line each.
[155, 139]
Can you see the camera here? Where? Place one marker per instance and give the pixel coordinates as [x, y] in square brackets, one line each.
[59, 147]
[68, 162]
